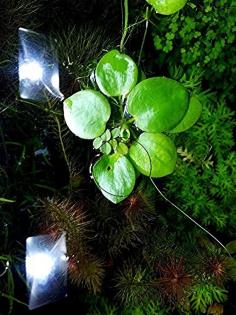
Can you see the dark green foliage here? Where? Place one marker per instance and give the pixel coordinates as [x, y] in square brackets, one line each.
[15, 14]
[200, 36]
[79, 49]
[204, 180]
[133, 284]
[103, 307]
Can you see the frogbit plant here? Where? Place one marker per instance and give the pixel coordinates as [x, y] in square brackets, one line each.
[129, 121]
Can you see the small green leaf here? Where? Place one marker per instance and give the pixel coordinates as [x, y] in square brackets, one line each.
[116, 74]
[106, 148]
[113, 143]
[191, 117]
[158, 104]
[122, 148]
[115, 133]
[153, 154]
[86, 113]
[167, 7]
[231, 247]
[106, 136]
[97, 143]
[115, 176]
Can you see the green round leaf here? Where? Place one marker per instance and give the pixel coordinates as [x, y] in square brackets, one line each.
[86, 113]
[158, 104]
[116, 74]
[97, 143]
[153, 154]
[167, 7]
[115, 176]
[106, 148]
[191, 117]
[115, 133]
[106, 136]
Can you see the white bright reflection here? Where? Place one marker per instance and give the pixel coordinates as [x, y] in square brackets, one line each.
[39, 266]
[55, 80]
[30, 70]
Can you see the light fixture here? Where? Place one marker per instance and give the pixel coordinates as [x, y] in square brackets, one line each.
[46, 269]
[37, 67]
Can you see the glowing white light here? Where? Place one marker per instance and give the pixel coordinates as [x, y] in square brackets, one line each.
[39, 266]
[46, 269]
[55, 81]
[30, 70]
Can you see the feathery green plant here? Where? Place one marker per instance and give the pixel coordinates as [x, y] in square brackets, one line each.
[204, 180]
[205, 295]
[201, 37]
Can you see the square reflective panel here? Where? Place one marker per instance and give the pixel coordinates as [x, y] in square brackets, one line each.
[38, 67]
[46, 269]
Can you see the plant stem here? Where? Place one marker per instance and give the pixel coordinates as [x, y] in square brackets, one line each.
[144, 36]
[125, 28]
[191, 219]
[62, 144]
[130, 121]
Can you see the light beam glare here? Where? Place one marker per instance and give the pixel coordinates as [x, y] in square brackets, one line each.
[30, 70]
[39, 266]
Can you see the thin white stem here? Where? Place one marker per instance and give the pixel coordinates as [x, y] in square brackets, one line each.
[191, 219]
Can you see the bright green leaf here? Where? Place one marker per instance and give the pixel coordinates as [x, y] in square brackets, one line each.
[116, 74]
[106, 136]
[115, 176]
[106, 148]
[97, 143]
[158, 104]
[86, 113]
[167, 7]
[115, 133]
[153, 154]
[191, 117]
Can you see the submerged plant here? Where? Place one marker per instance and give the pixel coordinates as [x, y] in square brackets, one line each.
[174, 280]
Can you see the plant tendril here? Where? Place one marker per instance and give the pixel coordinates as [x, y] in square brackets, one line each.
[179, 209]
